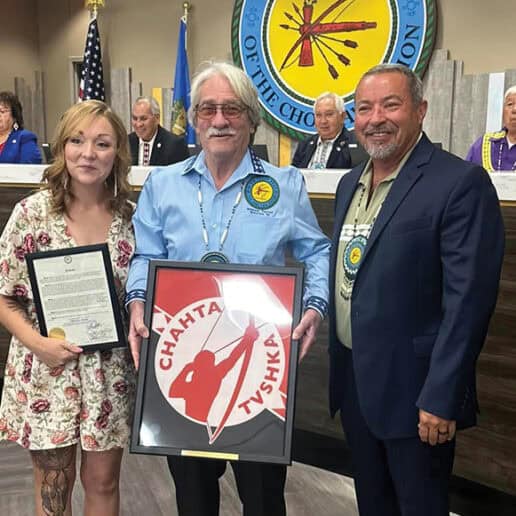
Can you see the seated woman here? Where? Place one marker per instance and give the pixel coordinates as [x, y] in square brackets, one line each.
[497, 151]
[57, 397]
[17, 145]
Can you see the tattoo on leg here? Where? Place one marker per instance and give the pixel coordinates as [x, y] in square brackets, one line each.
[55, 484]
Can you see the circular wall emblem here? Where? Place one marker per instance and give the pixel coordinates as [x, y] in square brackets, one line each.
[262, 192]
[294, 50]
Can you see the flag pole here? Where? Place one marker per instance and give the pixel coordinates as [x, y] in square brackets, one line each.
[93, 6]
[91, 86]
[186, 8]
[181, 91]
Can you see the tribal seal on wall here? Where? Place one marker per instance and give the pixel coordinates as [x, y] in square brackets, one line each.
[293, 50]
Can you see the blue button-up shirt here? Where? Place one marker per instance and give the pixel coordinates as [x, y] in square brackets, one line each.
[168, 223]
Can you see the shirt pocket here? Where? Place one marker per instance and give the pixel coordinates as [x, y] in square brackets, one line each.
[259, 239]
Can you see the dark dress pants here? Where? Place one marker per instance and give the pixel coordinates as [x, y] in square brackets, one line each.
[393, 477]
[260, 486]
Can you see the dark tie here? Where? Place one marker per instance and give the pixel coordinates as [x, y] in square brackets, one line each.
[146, 153]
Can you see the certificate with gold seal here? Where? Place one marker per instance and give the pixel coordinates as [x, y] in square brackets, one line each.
[75, 297]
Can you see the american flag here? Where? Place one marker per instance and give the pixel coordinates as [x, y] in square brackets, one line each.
[92, 79]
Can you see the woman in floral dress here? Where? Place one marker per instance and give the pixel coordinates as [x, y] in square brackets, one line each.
[56, 396]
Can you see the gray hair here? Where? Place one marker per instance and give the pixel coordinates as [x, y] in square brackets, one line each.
[239, 82]
[153, 104]
[414, 82]
[510, 91]
[339, 102]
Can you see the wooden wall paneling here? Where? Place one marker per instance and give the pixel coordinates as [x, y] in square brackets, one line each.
[121, 94]
[24, 93]
[510, 78]
[438, 90]
[471, 123]
[27, 108]
[268, 136]
[460, 137]
[494, 101]
[312, 412]
[166, 108]
[479, 94]
[136, 91]
[487, 453]
[38, 107]
[19, 89]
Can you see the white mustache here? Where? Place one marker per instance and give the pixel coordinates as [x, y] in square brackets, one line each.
[212, 131]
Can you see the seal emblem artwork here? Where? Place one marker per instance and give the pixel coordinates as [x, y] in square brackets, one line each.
[218, 362]
[293, 50]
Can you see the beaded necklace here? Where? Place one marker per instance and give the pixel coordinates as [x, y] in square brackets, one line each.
[500, 151]
[216, 256]
[320, 155]
[354, 250]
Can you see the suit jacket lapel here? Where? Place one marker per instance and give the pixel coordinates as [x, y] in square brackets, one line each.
[408, 175]
[155, 148]
[342, 201]
[310, 149]
[134, 144]
[338, 148]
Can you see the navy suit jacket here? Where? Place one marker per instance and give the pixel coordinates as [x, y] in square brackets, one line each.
[167, 149]
[339, 156]
[423, 295]
[21, 147]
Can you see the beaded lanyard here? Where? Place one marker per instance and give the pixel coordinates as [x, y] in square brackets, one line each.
[219, 256]
[216, 256]
[500, 151]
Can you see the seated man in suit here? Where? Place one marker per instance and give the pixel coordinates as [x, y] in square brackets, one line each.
[150, 143]
[329, 147]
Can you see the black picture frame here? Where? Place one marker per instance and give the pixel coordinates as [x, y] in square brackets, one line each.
[207, 322]
[93, 328]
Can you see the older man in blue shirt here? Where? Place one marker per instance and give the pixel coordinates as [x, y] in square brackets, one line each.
[227, 205]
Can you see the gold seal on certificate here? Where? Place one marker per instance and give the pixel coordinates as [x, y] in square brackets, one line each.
[57, 333]
[75, 296]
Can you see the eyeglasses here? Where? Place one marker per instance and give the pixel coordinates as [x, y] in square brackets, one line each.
[208, 111]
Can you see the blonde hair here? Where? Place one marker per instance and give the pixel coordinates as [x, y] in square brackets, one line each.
[56, 176]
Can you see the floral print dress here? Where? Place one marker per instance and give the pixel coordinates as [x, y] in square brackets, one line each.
[88, 400]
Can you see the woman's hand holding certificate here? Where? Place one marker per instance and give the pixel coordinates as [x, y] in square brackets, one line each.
[55, 352]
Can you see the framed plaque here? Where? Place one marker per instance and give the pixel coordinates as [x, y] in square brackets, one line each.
[218, 371]
[75, 297]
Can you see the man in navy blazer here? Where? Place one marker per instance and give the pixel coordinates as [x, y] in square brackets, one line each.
[417, 251]
[329, 147]
[164, 148]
